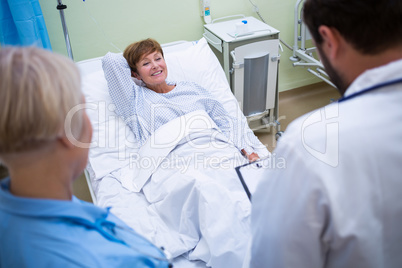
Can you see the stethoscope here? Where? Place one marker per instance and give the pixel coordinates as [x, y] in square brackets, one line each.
[375, 87]
[108, 230]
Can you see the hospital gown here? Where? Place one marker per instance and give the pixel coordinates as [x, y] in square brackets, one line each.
[145, 110]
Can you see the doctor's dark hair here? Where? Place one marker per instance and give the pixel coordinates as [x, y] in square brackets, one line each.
[38, 89]
[369, 25]
[135, 51]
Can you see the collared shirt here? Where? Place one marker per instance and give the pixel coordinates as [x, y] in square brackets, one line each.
[338, 201]
[55, 233]
[145, 110]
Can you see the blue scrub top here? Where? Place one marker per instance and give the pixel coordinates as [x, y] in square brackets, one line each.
[56, 233]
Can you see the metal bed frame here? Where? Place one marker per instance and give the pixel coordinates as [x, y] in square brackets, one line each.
[303, 56]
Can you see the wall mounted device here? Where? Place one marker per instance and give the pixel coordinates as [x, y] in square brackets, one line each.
[206, 10]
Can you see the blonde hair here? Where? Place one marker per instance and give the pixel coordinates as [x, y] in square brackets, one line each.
[37, 90]
[135, 51]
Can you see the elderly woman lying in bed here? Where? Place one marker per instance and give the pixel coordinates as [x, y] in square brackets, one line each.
[136, 104]
[202, 211]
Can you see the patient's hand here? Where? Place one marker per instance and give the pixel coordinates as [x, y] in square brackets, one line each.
[251, 157]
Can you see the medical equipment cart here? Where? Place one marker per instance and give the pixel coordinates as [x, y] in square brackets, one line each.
[250, 52]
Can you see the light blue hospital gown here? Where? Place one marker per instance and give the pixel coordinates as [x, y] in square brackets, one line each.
[145, 110]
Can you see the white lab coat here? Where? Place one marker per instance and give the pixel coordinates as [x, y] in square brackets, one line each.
[338, 202]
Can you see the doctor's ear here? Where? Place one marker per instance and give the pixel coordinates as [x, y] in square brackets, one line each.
[330, 40]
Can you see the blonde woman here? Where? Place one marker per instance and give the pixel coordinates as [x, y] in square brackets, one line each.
[44, 138]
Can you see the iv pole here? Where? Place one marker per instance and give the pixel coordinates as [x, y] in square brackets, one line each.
[61, 8]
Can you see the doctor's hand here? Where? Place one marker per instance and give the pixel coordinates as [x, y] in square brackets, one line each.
[251, 157]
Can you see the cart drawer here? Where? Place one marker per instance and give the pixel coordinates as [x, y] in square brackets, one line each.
[213, 40]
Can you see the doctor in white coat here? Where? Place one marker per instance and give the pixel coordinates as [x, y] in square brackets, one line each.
[338, 202]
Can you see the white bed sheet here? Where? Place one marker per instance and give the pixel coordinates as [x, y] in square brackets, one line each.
[201, 213]
[192, 206]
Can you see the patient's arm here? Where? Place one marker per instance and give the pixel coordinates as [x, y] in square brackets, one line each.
[234, 128]
[237, 132]
[118, 77]
[122, 89]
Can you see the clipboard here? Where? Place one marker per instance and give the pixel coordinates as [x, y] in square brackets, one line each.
[251, 174]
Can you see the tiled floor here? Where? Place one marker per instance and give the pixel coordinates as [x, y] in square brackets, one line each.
[292, 104]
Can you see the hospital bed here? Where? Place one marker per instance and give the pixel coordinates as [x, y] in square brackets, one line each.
[191, 203]
[304, 55]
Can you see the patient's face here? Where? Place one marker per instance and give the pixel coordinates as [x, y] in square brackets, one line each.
[152, 70]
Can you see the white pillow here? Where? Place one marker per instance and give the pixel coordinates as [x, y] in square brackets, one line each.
[113, 141]
[199, 64]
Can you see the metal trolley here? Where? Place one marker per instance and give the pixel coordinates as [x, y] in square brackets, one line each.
[250, 60]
